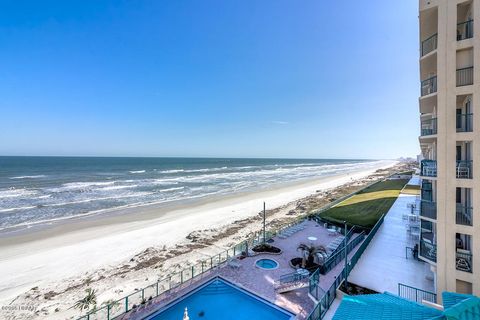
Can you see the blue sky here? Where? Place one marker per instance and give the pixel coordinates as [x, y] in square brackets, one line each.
[240, 78]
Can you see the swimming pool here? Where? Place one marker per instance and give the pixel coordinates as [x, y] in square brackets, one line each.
[268, 264]
[220, 300]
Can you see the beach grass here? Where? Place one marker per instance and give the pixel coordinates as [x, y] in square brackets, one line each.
[366, 207]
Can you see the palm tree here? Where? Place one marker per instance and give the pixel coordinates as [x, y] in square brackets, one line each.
[309, 252]
[89, 300]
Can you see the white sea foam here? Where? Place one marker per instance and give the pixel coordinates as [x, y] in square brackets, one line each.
[133, 195]
[171, 171]
[44, 197]
[86, 185]
[16, 209]
[15, 193]
[209, 169]
[137, 171]
[117, 187]
[172, 189]
[29, 177]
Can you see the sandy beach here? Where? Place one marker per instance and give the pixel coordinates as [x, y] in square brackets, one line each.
[49, 269]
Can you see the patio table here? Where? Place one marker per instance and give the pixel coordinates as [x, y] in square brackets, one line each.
[332, 231]
[303, 272]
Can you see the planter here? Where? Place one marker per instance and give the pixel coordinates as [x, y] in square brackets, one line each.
[296, 263]
[353, 290]
[267, 249]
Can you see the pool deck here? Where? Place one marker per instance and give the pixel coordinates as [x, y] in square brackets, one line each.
[384, 265]
[260, 281]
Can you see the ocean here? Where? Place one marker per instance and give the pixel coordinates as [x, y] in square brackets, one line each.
[41, 190]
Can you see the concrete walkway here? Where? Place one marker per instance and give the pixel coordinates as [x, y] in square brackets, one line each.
[383, 265]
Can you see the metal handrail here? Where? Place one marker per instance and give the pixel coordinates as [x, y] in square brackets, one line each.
[465, 122]
[291, 279]
[465, 30]
[428, 250]
[428, 86]
[464, 261]
[326, 301]
[428, 168]
[338, 257]
[428, 209]
[428, 45]
[464, 215]
[464, 76]
[416, 294]
[463, 169]
[428, 127]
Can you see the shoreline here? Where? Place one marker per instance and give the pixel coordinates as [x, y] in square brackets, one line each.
[112, 252]
[152, 212]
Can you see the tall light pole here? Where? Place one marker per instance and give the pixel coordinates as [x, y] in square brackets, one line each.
[264, 218]
[346, 256]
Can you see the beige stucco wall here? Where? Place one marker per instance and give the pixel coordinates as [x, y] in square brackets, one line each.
[451, 55]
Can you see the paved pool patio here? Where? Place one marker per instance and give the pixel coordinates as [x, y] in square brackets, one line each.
[260, 281]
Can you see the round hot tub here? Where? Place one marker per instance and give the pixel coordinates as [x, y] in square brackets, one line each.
[267, 264]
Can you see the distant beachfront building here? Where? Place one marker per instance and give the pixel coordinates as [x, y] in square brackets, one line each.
[450, 142]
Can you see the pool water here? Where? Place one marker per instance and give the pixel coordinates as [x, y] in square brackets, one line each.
[267, 264]
[219, 300]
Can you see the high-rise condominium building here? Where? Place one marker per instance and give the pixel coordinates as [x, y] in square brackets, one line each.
[450, 141]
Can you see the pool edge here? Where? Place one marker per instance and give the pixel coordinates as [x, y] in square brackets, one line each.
[241, 288]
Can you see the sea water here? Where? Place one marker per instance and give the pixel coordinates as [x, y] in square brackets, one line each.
[41, 190]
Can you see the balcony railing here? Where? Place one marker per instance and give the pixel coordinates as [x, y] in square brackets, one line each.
[464, 261]
[428, 209]
[465, 122]
[428, 45]
[428, 250]
[428, 86]
[428, 127]
[464, 169]
[426, 191]
[427, 185]
[428, 168]
[465, 30]
[415, 294]
[464, 77]
[464, 215]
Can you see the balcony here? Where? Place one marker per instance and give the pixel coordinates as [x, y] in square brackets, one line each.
[465, 30]
[426, 191]
[429, 86]
[428, 250]
[428, 127]
[428, 168]
[464, 260]
[464, 215]
[465, 122]
[464, 77]
[464, 169]
[428, 209]
[428, 45]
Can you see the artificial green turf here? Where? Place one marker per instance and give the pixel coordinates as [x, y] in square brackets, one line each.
[366, 207]
[411, 189]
